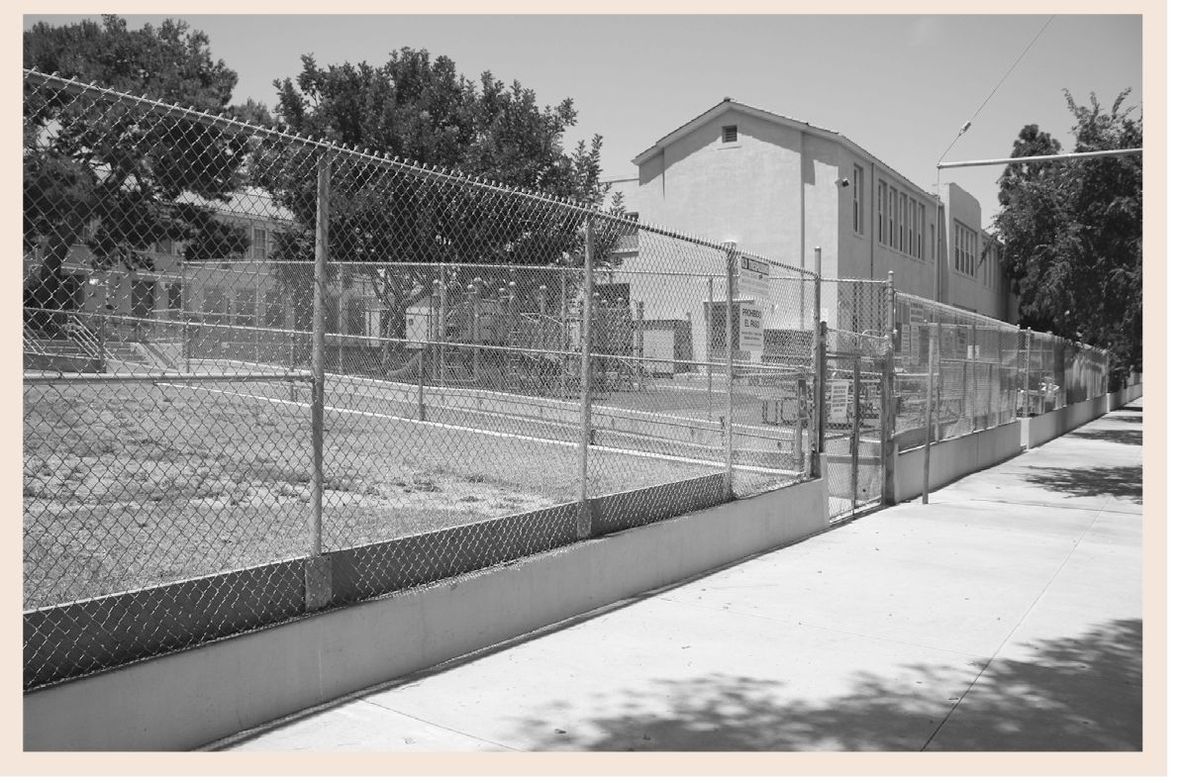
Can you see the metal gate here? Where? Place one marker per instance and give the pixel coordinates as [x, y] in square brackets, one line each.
[858, 407]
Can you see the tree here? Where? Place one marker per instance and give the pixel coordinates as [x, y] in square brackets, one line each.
[117, 177]
[1031, 142]
[420, 109]
[1072, 233]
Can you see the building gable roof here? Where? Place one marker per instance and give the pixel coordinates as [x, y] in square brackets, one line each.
[726, 104]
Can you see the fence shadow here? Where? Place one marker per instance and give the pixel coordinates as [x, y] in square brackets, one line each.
[1117, 481]
[1050, 699]
[1123, 437]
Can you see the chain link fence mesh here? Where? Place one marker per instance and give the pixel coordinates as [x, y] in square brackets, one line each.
[977, 373]
[246, 352]
[265, 374]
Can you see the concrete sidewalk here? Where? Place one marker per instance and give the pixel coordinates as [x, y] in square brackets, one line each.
[1004, 615]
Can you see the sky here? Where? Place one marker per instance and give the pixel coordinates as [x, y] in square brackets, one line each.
[899, 86]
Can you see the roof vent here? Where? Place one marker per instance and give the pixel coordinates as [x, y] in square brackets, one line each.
[730, 134]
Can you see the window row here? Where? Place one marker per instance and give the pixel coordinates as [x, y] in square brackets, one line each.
[900, 217]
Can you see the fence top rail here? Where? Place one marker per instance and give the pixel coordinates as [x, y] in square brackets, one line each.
[384, 160]
[979, 321]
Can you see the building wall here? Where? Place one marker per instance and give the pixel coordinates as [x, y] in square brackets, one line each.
[870, 253]
[751, 191]
[979, 287]
[739, 191]
[748, 192]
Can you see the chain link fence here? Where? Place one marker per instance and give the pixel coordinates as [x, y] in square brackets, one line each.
[976, 373]
[266, 374]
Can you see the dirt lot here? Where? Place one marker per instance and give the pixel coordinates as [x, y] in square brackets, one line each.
[129, 485]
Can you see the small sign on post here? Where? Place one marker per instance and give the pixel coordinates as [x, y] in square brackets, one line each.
[753, 277]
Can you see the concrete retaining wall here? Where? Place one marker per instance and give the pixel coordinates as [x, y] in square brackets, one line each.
[186, 699]
[1119, 399]
[1037, 430]
[951, 459]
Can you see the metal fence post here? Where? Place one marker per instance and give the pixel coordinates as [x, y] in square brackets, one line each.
[317, 579]
[1029, 348]
[639, 346]
[818, 370]
[887, 402]
[710, 349]
[584, 521]
[933, 346]
[186, 349]
[970, 398]
[819, 392]
[856, 431]
[422, 371]
[564, 336]
[729, 432]
[341, 324]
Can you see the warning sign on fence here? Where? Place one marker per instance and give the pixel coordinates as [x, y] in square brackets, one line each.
[753, 277]
[750, 328]
[838, 408]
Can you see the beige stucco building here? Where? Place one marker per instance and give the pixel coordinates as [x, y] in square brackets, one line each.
[779, 188]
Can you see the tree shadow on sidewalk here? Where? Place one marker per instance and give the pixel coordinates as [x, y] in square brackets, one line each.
[1123, 437]
[1047, 700]
[1117, 481]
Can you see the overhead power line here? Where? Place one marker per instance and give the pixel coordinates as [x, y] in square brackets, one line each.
[1013, 65]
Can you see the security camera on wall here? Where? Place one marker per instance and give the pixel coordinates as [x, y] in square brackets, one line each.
[845, 183]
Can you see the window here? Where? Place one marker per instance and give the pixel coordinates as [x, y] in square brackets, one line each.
[919, 230]
[911, 205]
[730, 134]
[857, 185]
[892, 204]
[258, 248]
[964, 249]
[905, 223]
[882, 197]
[176, 297]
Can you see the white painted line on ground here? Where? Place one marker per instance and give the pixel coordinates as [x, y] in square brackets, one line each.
[509, 435]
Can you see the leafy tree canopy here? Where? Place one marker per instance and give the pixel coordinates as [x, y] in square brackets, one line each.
[1072, 232]
[420, 109]
[118, 177]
